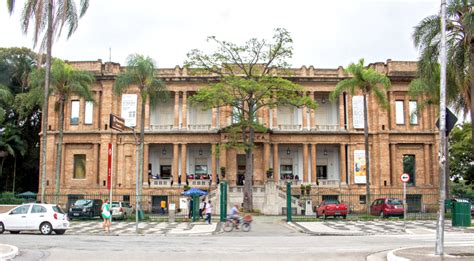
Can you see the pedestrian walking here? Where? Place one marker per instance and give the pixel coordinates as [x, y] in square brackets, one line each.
[163, 206]
[106, 215]
[202, 208]
[208, 212]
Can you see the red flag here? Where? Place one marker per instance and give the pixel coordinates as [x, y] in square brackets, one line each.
[109, 167]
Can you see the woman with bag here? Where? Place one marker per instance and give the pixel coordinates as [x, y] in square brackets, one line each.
[106, 215]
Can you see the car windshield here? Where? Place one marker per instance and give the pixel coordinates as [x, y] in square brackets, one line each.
[115, 204]
[332, 201]
[58, 209]
[83, 202]
[394, 201]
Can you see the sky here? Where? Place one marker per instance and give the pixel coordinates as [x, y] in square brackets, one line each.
[326, 34]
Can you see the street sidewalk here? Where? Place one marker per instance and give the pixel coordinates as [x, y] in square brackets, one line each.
[8, 252]
[428, 254]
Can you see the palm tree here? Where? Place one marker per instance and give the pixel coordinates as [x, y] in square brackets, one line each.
[6, 100]
[11, 144]
[368, 81]
[141, 71]
[65, 81]
[459, 32]
[52, 16]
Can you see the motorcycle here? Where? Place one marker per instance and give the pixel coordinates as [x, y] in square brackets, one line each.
[245, 223]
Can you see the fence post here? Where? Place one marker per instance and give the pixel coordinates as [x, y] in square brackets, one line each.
[223, 201]
[288, 202]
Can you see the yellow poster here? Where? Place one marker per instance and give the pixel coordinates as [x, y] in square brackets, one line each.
[359, 167]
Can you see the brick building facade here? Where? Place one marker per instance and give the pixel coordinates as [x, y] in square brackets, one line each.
[319, 147]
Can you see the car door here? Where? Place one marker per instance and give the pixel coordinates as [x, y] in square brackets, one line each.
[321, 208]
[16, 219]
[36, 216]
[373, 208]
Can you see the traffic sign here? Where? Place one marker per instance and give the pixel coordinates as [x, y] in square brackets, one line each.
[405, 177]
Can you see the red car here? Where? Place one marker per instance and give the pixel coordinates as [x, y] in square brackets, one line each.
[332, 207]
[385, 207]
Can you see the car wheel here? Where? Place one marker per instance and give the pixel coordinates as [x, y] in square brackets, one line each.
[14, 232]
[60, 231]
[46, 228]
[382, 215]
[324, 215]
[2, 228]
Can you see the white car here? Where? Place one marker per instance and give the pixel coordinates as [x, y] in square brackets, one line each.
[30, 217]
[121, 210]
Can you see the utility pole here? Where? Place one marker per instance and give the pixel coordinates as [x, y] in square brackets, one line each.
[442, 134]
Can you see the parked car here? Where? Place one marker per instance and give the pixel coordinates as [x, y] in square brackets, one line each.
[85, 208]
[30, 217]
[121, 210]
[385, 207]
[472, 208]
[332, 207]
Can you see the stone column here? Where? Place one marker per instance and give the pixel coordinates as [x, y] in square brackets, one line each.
[175, 163]
[276, 168]
[341, 112]
[223, 158]
[305, 162]
[313, 164]
[304, 111]
[266, 160]
[393, 169]
[427, 161]
[349, 113]
[342, 150]
[185, 111]
[147, 114]
[184, 160]
[214, 118]
[312, 114]
[213, 163]
[176, 110]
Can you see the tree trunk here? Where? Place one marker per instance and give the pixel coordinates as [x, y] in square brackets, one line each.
[1, 167]
[367, 159]
[248, 193]
[59, 148]
[142, 140]
[44, 111]
[14, 175]
[471, 71]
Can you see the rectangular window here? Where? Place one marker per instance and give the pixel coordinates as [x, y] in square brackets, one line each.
[88, 114]
[409, 167]
[235, 115]
[399, 113]
[79, 166]
[75, 106]
[413, 112]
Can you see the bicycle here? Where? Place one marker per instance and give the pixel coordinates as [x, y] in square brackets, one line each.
[231, 223]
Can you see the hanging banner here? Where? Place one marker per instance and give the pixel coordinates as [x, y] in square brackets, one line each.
[109, 166]
[358, 112]
[129, 109]
[359, 167]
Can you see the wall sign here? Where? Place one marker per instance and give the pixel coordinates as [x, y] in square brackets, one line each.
[358, 112]
[129, 109]
[359, 167]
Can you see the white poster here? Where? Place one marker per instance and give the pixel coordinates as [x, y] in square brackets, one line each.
[358, 112]
[129, 109]
[359, 167]
[183, 203]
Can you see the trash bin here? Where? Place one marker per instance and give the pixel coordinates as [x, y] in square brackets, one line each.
[461, 215]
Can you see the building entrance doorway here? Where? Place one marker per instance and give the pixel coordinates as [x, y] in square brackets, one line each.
[159, 204]
[241, 161]
[165, 171]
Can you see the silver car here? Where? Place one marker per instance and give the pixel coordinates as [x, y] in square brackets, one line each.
[30, 217]
[121, 210]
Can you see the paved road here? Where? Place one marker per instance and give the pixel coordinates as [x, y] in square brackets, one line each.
[268, 240]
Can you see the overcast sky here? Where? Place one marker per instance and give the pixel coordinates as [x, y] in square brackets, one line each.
[326, 33]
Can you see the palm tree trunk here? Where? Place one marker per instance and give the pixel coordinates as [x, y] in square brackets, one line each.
[1, 166]
[142, 140]
[59, 147]
[471, 71]
[14, 175]
[367, 160]
[44, 111]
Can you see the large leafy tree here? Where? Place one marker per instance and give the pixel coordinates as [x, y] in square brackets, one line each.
[65, 82]
[461, 158]
[141, 73]
[247, 82]
[368, 82]
[48, 18]
[459, 31]
[20, 126]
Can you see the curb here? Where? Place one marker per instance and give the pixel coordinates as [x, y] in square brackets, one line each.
[8, 255]
[391, 256]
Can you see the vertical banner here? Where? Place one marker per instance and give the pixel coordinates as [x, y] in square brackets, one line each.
[109, 166]
[359, 167]
[358, 112]
[129, 109]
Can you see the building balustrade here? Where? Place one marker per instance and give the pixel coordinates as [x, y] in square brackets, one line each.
[289, 127]
[329, 127]
[157, 183]
[328, 182]
[199, 182]
[161, 127]
[199, 127]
